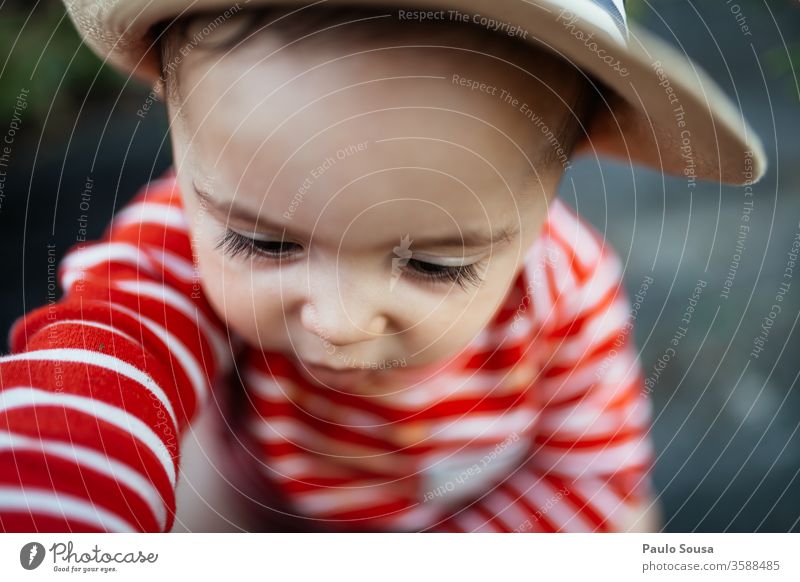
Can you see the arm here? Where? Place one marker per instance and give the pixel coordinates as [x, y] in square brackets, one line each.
[591, 456]
[100, 385]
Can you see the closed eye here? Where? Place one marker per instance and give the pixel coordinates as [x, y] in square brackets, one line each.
[462, 275]
[234, 245]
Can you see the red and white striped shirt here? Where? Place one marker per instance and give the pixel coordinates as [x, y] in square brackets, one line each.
[542, 426]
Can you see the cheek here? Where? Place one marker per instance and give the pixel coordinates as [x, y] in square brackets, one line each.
[239, 295]
[455, 321]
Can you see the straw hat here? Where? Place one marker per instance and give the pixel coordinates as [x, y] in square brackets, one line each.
[664, 111]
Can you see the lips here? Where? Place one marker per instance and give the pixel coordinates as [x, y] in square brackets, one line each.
[325, 367]
[334, 376]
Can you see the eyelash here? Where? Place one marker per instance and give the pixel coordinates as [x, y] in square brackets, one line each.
[235, 245]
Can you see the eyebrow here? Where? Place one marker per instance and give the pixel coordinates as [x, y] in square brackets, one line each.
[467, 239]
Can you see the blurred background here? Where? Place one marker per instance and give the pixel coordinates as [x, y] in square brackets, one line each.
[726, 417]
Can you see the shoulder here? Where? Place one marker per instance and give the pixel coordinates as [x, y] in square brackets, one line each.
[158, 202]
[578, 245]
[147, 234]
[570, 269]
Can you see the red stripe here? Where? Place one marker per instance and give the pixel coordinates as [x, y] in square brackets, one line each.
[379, 512]
[30, 469]
[451, 409]
[580, 504]
[81, 429]
[578, 443]
[447, 526]
[493, 524]
[530, 508]
[24, 521]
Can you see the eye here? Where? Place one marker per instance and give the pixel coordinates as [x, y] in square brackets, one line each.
[462, 275]
[235, 245]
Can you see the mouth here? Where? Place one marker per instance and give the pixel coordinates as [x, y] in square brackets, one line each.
[334, 376]
[329, 369]
[313, 365]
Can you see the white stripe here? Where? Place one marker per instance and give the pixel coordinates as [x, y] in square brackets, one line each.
[297, 467]
[605, 501]
[277, 431]
[576, 234]
[470, 426]
[568, 384]
[268, 387]
[335, 500]
[552, 505]
[563, 275]
[22, 397]
[177, 348]
[91, 459]
[457, 476]
[602, 393]
[587, 297]
[180, 268]
[74, 264]
[469, 520]
[171, 297]
[505, 509]
[482, 425]
[274, 391]
[62, 505]
[579, 463]
[503, 336]
[591, 421]
[598, 380]
[477, 384]
[415, 518]
[540, 308]
[101, 360]
[608, 325]
[608, 372]
[149, 212]
[280, 430]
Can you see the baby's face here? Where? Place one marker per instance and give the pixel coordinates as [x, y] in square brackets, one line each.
[361, 212]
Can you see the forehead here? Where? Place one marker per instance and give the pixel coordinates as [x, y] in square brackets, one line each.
[371, 126]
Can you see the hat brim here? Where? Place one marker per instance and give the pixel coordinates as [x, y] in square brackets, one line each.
[663, 110]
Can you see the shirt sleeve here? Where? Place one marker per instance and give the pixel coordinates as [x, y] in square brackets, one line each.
[591, 458]
[100, 385]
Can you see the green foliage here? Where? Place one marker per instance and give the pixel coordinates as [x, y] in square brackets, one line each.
[43, 53]
[782, 62]
[635, 9]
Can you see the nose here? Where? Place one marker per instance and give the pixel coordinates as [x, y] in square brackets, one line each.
[340, 315]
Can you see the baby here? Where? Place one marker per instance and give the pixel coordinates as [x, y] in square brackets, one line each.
[358, 266]
[363, 214]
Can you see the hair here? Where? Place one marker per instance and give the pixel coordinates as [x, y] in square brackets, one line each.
[364, 23]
